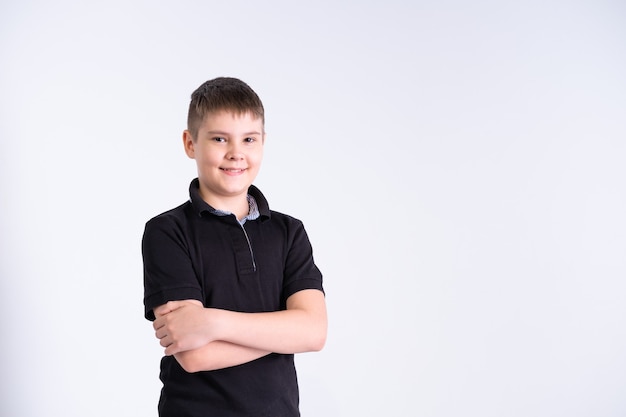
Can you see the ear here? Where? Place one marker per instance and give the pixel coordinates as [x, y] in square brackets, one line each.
[188, 143]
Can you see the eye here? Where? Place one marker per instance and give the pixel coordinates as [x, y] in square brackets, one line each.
[218, 139]
[249, 140]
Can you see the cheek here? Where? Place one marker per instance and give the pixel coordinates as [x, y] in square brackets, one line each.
[257, 161]
[258, 156]
[210, 159]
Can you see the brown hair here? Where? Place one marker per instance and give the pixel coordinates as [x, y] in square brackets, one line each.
[223, 93]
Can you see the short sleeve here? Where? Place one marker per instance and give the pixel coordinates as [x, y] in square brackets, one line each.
[168, 269]
[300, 273]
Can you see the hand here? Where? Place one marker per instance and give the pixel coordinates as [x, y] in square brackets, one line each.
[183, 325]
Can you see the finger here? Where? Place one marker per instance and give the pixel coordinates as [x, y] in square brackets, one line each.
[167, 308]
[160, 333]
[172, 349]
[173, 305]
[158, 323]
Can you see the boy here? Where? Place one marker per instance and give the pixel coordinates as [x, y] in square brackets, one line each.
[231, 286]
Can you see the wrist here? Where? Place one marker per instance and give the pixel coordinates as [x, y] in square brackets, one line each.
[216, 323]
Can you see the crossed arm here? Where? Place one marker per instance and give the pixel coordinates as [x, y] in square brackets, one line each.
[204, 339]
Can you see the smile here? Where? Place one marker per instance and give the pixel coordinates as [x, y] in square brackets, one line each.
[233, 170]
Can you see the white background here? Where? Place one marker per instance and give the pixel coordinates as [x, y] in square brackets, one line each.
[459, 166]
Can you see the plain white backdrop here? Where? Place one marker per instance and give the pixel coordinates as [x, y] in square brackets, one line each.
[459, 166]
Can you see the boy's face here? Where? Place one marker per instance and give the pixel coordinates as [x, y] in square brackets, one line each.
[228, 152]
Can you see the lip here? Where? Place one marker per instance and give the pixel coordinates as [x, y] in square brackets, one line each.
[234, 171]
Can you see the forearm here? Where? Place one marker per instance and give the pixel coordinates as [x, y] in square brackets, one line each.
[217, 355]
[300, 328]
[186, 326]
[287, 331]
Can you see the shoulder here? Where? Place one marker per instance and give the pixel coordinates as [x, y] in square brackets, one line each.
[290, 228]
[173, 218]
[285, 219]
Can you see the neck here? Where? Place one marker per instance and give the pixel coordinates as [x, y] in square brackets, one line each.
[238, 205]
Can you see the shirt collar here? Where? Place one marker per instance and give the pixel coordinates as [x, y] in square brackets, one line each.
[253, 210]
[257, 203]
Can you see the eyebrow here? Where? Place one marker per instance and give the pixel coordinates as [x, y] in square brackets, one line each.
[219, 132]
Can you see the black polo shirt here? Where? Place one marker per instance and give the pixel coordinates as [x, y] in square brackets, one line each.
[191, 252]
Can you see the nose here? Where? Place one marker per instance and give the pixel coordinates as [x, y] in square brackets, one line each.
[234, 153]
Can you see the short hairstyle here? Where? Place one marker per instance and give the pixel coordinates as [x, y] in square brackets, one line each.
[219, 94]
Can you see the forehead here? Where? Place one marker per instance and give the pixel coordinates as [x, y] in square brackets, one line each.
[227, 119]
